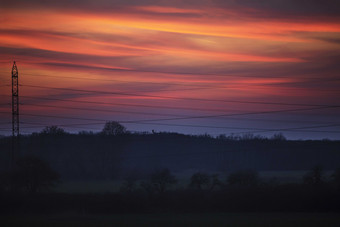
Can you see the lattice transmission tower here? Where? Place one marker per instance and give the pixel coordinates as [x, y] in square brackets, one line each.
[15, 116]
[15, 101]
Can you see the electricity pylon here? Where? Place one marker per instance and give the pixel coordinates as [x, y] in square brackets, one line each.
[15, 101]
[15, 114]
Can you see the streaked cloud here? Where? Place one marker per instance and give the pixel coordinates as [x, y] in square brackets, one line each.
[235, 49]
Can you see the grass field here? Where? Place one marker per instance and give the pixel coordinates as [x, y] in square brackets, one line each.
[215, 219]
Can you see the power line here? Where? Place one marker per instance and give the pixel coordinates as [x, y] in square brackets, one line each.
[181, 117]
[181, 125]
[176, 98]
[188, 117]
[235, 114]
[124, 104]
[119, 111]
[295, 129]
[167, 107]
[75, 125]
[196, 117]
[161, 114]
[207, 126]
[202, 126]
[54, 116]
[145, 113]
[21, 132]
[109, 111]
[168, 97]
[254, 130]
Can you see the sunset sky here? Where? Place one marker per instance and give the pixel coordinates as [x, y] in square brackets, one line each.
[194, 67]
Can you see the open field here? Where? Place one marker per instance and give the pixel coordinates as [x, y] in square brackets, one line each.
[84, 187]
[110, 186]
[211, 219]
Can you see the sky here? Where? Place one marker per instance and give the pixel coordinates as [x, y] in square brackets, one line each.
[193, 67]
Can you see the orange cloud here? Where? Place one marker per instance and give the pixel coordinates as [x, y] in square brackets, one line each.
[151, 53]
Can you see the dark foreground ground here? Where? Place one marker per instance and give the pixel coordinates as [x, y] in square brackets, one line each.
[172, 219]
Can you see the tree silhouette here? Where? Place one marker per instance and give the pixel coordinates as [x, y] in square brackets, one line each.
[32, 175]
[5, 181]
[129, 185]
[314, 177]
[113, 128]
[162, 179]
[200, 181]
[336, 178]
[243, 178]
[53, 130]
[204, 181]
[215, 182]
[279, 137]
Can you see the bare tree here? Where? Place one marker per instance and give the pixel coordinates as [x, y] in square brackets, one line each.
[53, 130]
[204, 181]
[32, 175]
[314, 177]
[279, 137]
[163, 179]
[200, 181]
[113, 128]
